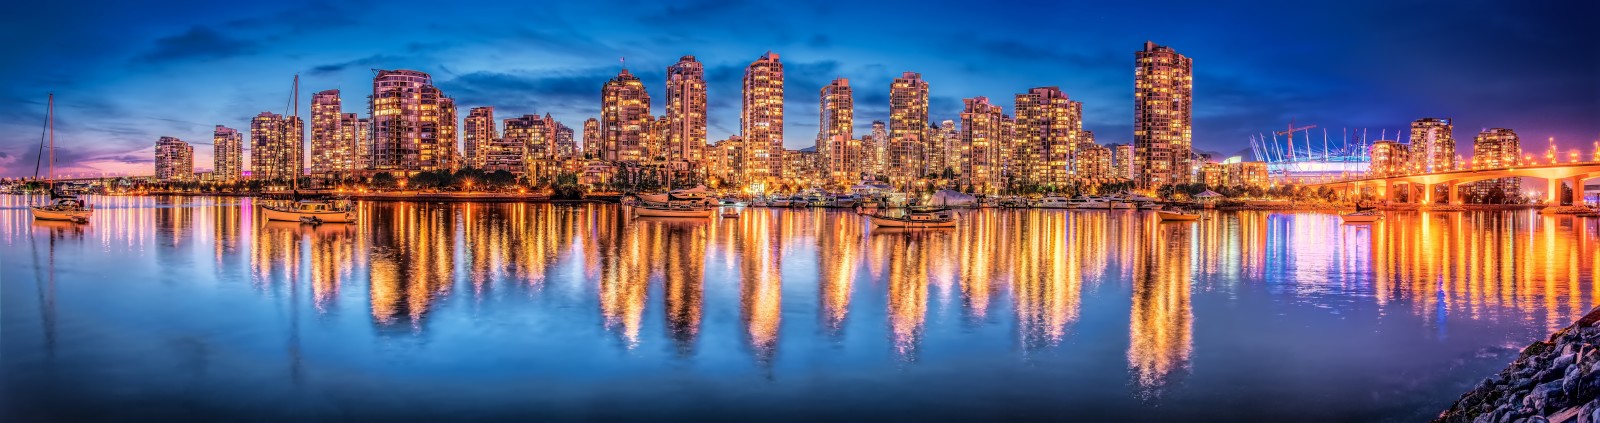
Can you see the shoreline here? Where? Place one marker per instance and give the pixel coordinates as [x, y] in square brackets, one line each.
[1556, 380]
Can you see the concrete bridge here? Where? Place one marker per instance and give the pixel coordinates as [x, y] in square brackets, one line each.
[1422, 185]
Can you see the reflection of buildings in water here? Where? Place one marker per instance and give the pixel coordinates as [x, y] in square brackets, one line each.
[760, 284]
[1485, 264]
[980, 246]
[515, 242]
[412, 259]
[683, 270]
[838, 257]
[908, 269]
[174, 222]
[333, 257]
[625, 280]
[1046, 282]
[1160, 329]
[229, 227]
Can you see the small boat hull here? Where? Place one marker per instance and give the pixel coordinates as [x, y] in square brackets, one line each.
[1177, 217]
[332, 216]
[1361, 218]
[884, 222]
[642, 211]
[76, 215]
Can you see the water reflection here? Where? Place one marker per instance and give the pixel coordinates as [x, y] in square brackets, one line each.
[1160, 328]
[1031, 282]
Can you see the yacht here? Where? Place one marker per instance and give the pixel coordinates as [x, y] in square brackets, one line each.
[62, 207]
[673, 209]
[311, 211]
[1054, 202]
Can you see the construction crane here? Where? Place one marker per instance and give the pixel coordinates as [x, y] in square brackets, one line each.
[1290, 133]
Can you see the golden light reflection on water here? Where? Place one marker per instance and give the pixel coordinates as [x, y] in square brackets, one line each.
[1030, 272]
[1161, 322]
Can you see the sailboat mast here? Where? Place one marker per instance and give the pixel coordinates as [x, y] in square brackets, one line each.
[51, 174]
[294, 179]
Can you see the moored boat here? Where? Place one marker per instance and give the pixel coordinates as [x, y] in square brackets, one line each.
[1177, 216]
[1362, 215]
[652, 209]
[1054, 202]
[916, 219]
[62, 207]
[311, 211]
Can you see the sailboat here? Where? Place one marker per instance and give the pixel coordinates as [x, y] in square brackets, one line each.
[62, 207]
[307, 211]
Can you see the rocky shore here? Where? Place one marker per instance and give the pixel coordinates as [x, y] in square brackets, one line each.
[1554, 380]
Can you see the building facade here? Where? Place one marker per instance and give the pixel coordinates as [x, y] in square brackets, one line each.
[331, 152]
[1162, 116]
[686, 112]
[980, 161]
[1493, 148]
[1433, 146]
[174, 160]
[836, 144]
[624, 119]
[227, 154]
[1389, 158]
[276, 147]
[414, 124]
[761, 119]
[1047, 125]
[478, 131]
[1121, 161]
[908, 128]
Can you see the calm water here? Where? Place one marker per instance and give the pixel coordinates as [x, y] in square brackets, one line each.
[195, 308]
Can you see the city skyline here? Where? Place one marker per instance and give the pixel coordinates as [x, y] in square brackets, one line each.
[218, 73]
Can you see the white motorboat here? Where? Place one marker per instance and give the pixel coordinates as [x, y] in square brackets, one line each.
[847, 201]
[778, 202]
[1054, 202]
[916, 219]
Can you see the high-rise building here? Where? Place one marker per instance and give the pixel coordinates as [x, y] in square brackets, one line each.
[357, 131]
[624, 118]
[566, 147]
[533, 137]
[836, 133]
[227, 154]
[330, 151]
[449, 135]
[686, 112]
[1121, 161]
[761, 119]
[174, 160]
[591, 137]
[478, 130]
[908, 127]
[1163, 85]
[944, 152]
[1493, 148]
[877, 151]
[414, 125]
[1433, 148]
[276, 147]
[1047, 134]
[1389, 158]
[981, 145]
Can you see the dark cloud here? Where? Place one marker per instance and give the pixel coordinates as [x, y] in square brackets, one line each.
[369, 61]
[199, 42]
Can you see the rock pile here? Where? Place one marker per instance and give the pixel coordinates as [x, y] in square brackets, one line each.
[1555, 380]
